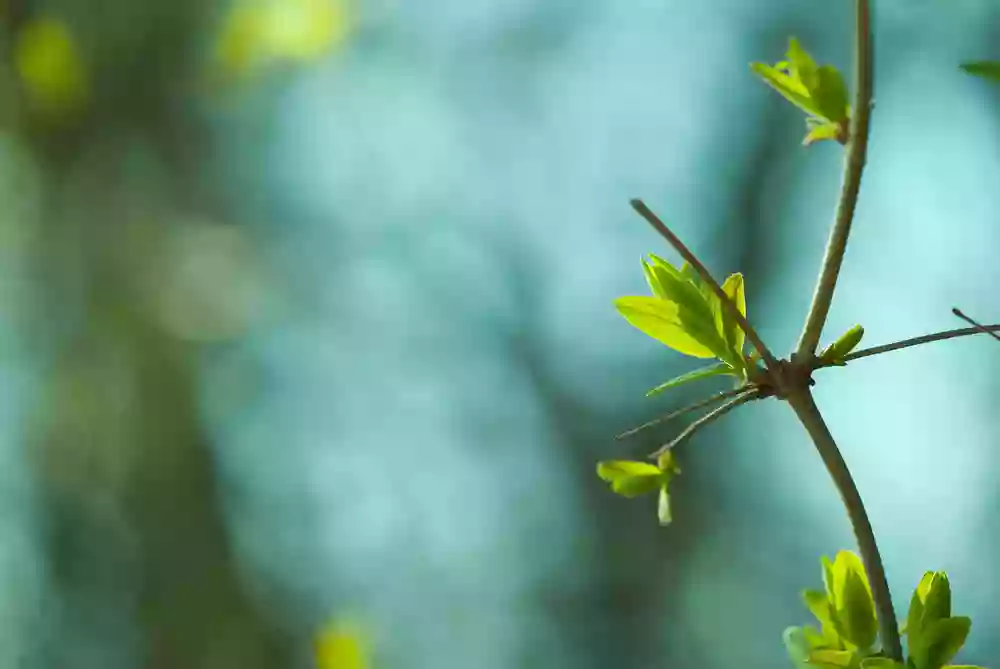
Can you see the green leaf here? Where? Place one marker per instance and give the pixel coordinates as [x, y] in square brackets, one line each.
[801, 66]
[822, 610]
[832, 659]
[880, 663]
[691, 316]
[835, 352]
[854, 608]
[857, 611]
[986, 69]
[629, 478]
[939, 642]
[798, 645]
[732, 332]
[696, 375]
[821, 132]
[661, 320]
[663, 506]
[930, 603]
[791, 89]
[830, 94]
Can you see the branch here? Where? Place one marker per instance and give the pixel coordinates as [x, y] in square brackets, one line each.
[718, 397]
[710, 417]
[707, 277]
[854, 166]
[976, 325]
[917, 341]
[807, 411]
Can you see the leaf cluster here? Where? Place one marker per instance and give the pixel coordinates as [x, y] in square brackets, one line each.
[818, 90]
[685, 314]
[846, 638]
[632, 479]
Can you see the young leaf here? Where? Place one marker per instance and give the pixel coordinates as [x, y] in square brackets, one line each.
[832, 659]
[940, 641]
[629, 478]
[791, 89]
[696, 375]
[835, 352]
[930, 603]
[830, 94]
[857, 609]
[660, 319]
[820, 132]
[985, 69]
[880, 663]
[730, 329]
[801, 65]
[822, 610]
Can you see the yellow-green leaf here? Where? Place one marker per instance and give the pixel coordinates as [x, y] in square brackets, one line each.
[801, 66]
[830, 94]
[821, 132]
[731, 330]
[791, 89]
[630, 478]
[661, 320]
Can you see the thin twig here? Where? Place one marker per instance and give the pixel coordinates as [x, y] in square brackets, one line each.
[710, 417]
[979, 328]
[808, 413]
[917, 341]
[718, 397]
[854, 166]
[707, 277]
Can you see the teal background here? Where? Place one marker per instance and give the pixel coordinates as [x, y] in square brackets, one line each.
[335, 339]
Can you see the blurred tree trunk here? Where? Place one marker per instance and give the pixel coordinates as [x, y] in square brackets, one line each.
[140, 558]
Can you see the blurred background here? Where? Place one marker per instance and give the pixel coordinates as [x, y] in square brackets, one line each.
[306, 320]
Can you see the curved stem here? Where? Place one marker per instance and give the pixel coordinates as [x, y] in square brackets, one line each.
[854, 166]
[706, 276]
[808, 413]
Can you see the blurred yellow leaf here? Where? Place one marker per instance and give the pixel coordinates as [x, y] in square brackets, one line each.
[259, 32]
[50, 68]
[341, 647]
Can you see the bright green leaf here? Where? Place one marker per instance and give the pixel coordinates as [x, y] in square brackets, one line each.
[735, 337]
[835, 352]
[791, 89]
[830, 94]
[629, 478]
[821, 132]
[661, 320]
[832, 659]
[801, 66]
[696, 375]
[857, 609]
[880, 663]
[822, 610]
[985, 69]
[930, 603]
[939, 642]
